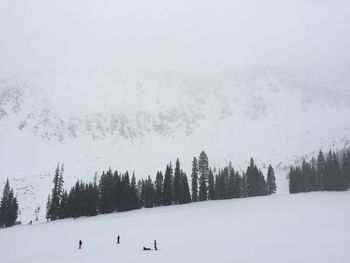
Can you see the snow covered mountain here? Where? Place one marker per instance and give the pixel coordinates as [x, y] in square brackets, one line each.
[134, 85]
[143, 121]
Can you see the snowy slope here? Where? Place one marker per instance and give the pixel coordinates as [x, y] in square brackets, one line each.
[312, 227]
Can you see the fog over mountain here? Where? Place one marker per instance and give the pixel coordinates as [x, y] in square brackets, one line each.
[135, 85]
[188, 36]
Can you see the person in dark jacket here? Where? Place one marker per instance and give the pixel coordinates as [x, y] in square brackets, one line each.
[155, 245]
[118, 239]
[80, 244]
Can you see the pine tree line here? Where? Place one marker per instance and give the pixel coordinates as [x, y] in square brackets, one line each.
[116, 192]
[326, 173]
[8, 207]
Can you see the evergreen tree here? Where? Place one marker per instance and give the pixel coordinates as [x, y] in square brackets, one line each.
[203, 168]
[149, 193]
[262, 190]
[177, 183]
[134, 200]
[346, 168]
[294, 181]
[329, 170]
[106, 193]
[142, 187]
[271, 181]
[194, 177]
[211, 186]
[64, 209]
[315, 182]
[244, 188]
[202, 189]
[167, 187]
[117, 191]
[321, 170]
[185, 189]
[125, 192]
[337, 179]
[56, 195]
[306, 172]
[8, 207]
[253, 178]
[158, 201]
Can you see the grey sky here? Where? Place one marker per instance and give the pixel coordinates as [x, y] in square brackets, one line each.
[181, 35]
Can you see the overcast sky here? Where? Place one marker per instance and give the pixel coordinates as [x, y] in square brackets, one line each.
[191, 36]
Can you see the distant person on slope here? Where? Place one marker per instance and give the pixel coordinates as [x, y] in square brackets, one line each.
[80, 244]
[155, 245]
[118, 239]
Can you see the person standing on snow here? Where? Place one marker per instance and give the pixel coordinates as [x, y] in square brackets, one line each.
[118, 239]
[155, 245]
[80, 244]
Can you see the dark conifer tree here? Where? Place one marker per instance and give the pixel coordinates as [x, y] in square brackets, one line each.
[271, 181]
[56, 195]
[106, 193]
[158, 201]
[149, 193]
[64, 209]
[306, 172]
[262, 184]
[117, 191]
[327, 178]
[185, 189]
[252, 179]
[8, 207]
[134, 200]
[244, 189]
[177, 183]
[211, 186]
[203, 167]
[337, 179]
[231, 182]
[167, 187]
[315, 183]
[293, 180]
[125, 192]
[91, 199]
[142, 187]
[321, 170]
[202, 189]
[346, 168]
[194, 177]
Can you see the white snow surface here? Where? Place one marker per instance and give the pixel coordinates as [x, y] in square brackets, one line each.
[304, 228]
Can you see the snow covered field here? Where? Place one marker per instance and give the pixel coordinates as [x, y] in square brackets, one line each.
[312, 227]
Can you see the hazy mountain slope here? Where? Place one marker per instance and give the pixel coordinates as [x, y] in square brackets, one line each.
[143, 121]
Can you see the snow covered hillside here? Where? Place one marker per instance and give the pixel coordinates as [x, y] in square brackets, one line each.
[141, 122]
[312, 227]
[134, 85]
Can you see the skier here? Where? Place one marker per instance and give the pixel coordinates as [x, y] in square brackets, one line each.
[155, 245]
[30, 222]
[118, 239]
[80, 244]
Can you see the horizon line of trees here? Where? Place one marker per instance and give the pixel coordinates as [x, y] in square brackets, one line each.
[329, 172]
[117, 192]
